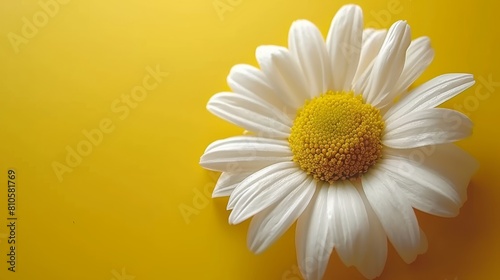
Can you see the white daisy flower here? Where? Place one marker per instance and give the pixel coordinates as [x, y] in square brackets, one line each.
[337, 142]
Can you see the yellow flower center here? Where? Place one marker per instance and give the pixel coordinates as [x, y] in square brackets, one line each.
[336, 136]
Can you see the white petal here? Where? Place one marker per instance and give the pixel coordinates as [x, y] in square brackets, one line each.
[427, 127]
[367, 32]
[388, 65]
[349, 224]
[394, 212]
[263, 188]
[284, 74]
[372, 42]
[313, 242]
[344, 45]
[425, 189]
[430, 94]
[308, 48]
[418, 57]
[450, 162]
[361, 83]
[227, 182]
[423, 243]
[248, 80]
[269, 225]
[374, 257]
[244, 154]
[250, 114]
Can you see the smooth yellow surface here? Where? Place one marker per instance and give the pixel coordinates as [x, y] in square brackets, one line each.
[117, 214]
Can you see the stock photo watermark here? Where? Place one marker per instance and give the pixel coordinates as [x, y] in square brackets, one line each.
[202, 196]
[200, 200]
[11, 222]
[222, 7]
[383, 18]
[485, 87]
[122, 275]
[292, 274]
[121, 108]
[31, 26]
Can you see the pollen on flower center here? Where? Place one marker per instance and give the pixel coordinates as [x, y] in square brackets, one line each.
[336, 136]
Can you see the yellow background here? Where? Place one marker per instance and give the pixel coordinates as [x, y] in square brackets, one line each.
[117, 213]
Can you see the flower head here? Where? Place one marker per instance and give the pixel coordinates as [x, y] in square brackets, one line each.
[338, 143]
